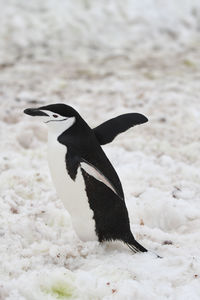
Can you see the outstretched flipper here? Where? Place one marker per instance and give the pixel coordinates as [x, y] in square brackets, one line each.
[107, 131]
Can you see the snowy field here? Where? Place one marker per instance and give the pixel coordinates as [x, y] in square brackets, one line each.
[104, 58]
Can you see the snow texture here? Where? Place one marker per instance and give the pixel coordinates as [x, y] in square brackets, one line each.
[104, 58]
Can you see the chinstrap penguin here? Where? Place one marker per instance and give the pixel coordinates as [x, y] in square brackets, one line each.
[84, 178]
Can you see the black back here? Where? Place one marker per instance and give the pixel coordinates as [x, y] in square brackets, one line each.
[110, 212]
[83, 146]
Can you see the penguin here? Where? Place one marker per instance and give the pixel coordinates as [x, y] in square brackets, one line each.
[84, 178]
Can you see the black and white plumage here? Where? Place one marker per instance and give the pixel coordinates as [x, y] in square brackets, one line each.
[84, 178]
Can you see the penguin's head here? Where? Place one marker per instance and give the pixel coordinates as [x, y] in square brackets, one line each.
[58, 117]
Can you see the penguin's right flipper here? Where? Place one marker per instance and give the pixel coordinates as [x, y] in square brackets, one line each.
[107, 131]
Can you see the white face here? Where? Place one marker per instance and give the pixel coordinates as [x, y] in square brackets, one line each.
[57, 123]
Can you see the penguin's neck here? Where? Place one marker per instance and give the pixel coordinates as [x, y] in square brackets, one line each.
[56, 128]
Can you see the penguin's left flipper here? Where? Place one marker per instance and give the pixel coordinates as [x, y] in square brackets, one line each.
[107, 131]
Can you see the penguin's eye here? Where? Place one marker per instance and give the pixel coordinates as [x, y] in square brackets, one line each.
[55, 116]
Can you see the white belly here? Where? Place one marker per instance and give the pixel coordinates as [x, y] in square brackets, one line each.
[72, 193]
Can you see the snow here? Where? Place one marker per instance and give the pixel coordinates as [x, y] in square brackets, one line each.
[104, 58]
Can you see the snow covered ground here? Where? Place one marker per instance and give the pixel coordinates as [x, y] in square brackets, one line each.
[104, 58]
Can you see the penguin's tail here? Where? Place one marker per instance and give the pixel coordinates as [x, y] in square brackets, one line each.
[135, 246]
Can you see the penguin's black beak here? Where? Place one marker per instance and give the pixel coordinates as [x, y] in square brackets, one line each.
[34, 112]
